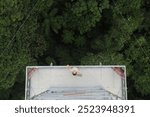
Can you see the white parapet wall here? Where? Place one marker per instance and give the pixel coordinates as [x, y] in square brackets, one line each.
[41, 78]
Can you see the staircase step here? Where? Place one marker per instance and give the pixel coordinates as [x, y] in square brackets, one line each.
[74, 93]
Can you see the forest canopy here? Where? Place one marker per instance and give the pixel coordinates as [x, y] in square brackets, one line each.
[76, 32]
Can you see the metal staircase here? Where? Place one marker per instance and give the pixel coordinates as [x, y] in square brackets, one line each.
[76, 93]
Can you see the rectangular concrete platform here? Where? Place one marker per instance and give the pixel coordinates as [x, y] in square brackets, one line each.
[56, 82]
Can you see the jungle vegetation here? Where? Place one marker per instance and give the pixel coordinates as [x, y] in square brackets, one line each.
[75, 32]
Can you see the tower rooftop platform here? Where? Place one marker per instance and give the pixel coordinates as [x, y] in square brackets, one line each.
[57, 82]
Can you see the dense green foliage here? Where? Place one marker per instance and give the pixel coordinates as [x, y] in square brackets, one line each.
[38, 32]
